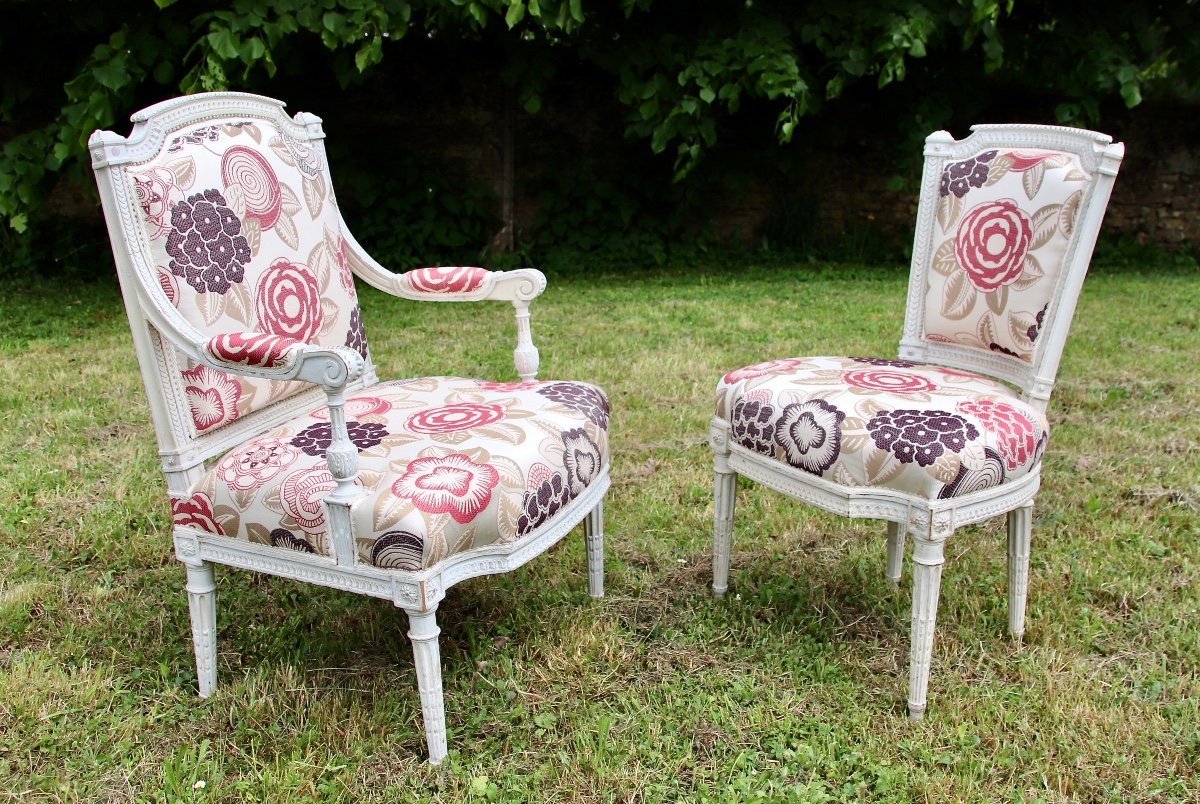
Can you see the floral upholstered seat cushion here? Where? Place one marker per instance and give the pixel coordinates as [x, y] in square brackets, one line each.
[916, 428]
[449, 464]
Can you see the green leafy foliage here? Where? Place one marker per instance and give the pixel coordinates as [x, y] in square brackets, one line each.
[680, 70]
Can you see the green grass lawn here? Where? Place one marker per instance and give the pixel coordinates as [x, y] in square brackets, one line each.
[792, 689]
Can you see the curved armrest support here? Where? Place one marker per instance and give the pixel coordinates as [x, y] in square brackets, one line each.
[459, 283]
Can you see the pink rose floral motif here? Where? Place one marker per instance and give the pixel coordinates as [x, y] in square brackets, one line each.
[249, 169]
[212, 397]
[763, 369]
[357, 408]
[301, 494]
[454, 417]
[195, 512]
[504, 387]
[253, 349]
[154, 191]
[345, 275]
[256, 463]
[896, 382]
[288, 301]
[453, 484]
[170, 288]
[991, 243]
[1017, 436]
[447, 279]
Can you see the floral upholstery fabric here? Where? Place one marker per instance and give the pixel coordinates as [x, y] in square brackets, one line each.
[245, 235]
[1004, 220]
[449, 464]
[916, 428]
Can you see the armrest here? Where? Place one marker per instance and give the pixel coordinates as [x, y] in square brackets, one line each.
[444, 284]
[279, 357]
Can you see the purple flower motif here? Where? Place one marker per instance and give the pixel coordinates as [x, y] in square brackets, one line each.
[581, 457]
[398, 549]
[282, 537]
[206, 244]
[315, 439]
[920, 435]
[753, 426]
[1036, 328]
[878, 361]
[194, 137]
[589, 401]
[810, 435]
[356, 336]
[969, 480]
[545, 501]
[995, 347]
[960, 177]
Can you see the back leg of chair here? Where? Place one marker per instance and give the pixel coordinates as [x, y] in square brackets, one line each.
[928, 557]
[423, 632]
[895, 552]
[202, 605]
[593, 530]
[1020, 527]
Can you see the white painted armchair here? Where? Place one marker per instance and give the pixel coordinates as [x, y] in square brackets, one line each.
[954, 431]
[282, 450]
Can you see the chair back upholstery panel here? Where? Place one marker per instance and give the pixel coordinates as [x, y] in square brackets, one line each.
[1004, 238]
[230, 221]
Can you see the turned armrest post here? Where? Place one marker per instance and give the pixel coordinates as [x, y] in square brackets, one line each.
[342, 456]
[525, 356]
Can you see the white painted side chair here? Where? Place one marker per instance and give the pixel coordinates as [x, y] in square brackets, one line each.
[283, 451]
[953, 432]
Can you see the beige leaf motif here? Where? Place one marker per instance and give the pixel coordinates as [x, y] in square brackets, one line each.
[235, 199]
[949, 208]
[1032, 178]
[330, 309]
[507, 515]
[253, 131]
[944, 468]
[944, 261]
[285, 156]
[435, 538]
[390, 509]
[1058, 161]
[972, 455]
[243, 498]
[465, 540]
[372, 480]
[1045, 224]
[252, 230]
[1069, 211]
[278, 389]
[314, 195]
[257, 533]
[286, 230]
[239, 305]
[842, 475]
[502, 431]
[211, 306]
[997, 300]
[854, 443]
[1018, 327]
[881, 466]
[1075, 174]
[228, 518]
[958, 296]
[1031, 274]
[184, 170]
[288, 202]
[998, 169]
[986, 330]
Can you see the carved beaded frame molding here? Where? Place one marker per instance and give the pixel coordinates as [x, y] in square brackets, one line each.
[163, 338]
[937, 519]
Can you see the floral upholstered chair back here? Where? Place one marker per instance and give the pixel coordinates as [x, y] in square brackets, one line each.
[240, 235]
[994, 264]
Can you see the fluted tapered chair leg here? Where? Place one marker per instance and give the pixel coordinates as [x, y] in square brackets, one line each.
[928, 557]
[202, 606]
[724, 494]
[1020, 527]
[593, 529]
[423, 632]
[895, 552]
